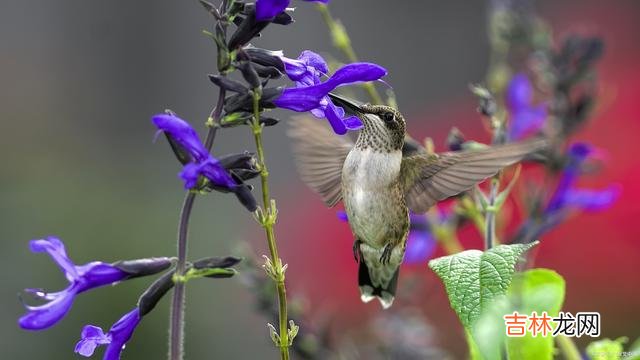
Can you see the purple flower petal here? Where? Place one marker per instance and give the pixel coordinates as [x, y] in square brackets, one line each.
[577, 154]
[308, 67]
[47, 315]
[81, 278]
[307, 98]
[519, 92]
[182, 133]
[267, 9]
[96, 274]
[526, 118]
[203, 164]
[115, 339]
[527, 121]
[55, 248]
[592, 200]
[91, 337]
[420, 246]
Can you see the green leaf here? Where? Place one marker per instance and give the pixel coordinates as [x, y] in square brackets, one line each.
[474, 279]
[606, 349]
[634, 350]
[539, 290]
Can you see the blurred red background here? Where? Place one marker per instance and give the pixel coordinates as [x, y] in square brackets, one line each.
[598, 254]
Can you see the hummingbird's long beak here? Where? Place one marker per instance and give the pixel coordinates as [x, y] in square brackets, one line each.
[351, 107]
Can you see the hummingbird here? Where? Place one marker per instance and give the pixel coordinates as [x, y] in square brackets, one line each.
[379, 185]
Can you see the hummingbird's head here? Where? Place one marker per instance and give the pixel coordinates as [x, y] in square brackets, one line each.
[384, 128]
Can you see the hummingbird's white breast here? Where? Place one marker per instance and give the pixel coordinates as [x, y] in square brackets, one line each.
[369, 186]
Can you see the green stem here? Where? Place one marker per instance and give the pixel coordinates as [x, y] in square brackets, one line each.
[490, 217]
[342, 42]
[444, 234]
[267, 222]
[568, 348]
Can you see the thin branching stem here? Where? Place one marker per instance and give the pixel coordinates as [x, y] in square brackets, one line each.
[267, 222]
[176, 349]
[176, 334]
[490, 217]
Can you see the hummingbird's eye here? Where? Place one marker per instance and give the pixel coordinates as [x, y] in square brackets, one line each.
[388, 117]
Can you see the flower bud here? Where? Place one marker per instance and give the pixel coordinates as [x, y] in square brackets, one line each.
[228, 84]
[143, 267]
[149, 299]
[247, 30]
[250, 75]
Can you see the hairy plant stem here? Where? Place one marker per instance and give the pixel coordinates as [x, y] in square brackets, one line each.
[267, 220]
[342, 42]
[176, 349]
[176, 334]
[490, 217]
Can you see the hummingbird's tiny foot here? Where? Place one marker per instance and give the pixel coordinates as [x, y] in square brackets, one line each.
[356, 250]
[386, 254]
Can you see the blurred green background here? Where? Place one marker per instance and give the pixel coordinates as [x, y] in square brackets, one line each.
[80, 81]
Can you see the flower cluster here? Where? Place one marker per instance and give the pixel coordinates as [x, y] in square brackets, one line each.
[526, 118]
[309, 73]
[203, 171]
[96, 274]
[81, 278]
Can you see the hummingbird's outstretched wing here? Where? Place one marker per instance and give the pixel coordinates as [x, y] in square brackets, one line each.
[320, 155]
[428, 179]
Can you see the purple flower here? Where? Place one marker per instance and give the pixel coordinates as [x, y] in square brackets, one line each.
[420, 242]
[198, 161]
[268, 9]
[115, 339]
[525, 117]
[311, 94]
[567, 196]
[81, 278]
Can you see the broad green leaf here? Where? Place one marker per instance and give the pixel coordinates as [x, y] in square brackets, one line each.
[474, 279]
[539, 290]
[474, 351]
[606, 349]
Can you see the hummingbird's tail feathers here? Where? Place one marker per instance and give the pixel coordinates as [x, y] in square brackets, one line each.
[370, 291]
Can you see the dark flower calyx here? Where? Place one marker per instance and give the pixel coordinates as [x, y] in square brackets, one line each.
[250, 74]
[265, 57]
[243, 165]
[455, 139]
[143, 267]
[228, 84]
[247, 30]
[244, 102]
[216, 262]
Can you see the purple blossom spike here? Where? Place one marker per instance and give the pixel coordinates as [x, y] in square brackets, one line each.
[420, 242]
[81, 278]
[567, 196]
[311, 94]
[198, 160]
[115, 339]
[526, 118]
[268, 9]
